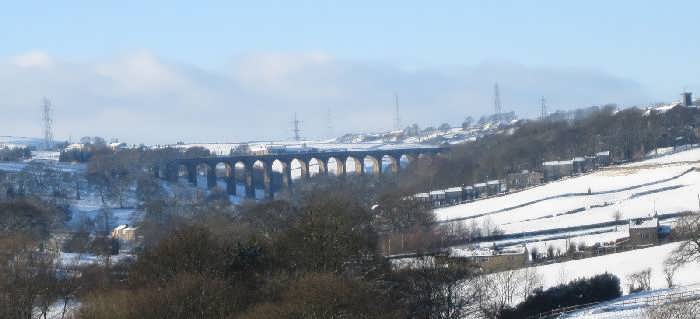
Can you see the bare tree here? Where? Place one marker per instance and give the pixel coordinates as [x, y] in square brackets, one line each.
[496, 292]
[530, 280]
[27, 278]
[687, 228]
[669, 272]
[639, 281]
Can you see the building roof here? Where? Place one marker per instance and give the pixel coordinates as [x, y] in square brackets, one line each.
[557, 163]
[485, 252]
[644, 223]
[124, 227]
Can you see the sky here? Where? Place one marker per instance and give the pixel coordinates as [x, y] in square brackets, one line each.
[219, 71]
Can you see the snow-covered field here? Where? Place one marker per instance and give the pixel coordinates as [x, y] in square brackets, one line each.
[60, 166]
[667, 184]
[621, 265]
[638, 304]
[560, 241]
[80, 260]
[20, 141]
[90, 207]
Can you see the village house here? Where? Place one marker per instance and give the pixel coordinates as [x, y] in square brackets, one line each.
[453, 195]
[590, 164]
[468, 193]
[579, 165]
[423, 198]
[523, 179]
[124, 233]
[603, 158]
[480, 190]
[643, 232]
[494, 187]
[437, 198]
[491, 260]
[555, 170]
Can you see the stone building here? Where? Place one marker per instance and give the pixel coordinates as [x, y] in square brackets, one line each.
[555, 170]
[453, 195]
[494, 187]
[603, 158]
[643, 232]
[437, 198]
[468, 193]
[480, 190]
[124, 233]
[488, 259]
[523, 179]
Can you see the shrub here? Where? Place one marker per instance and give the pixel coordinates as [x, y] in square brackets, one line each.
[577, 292]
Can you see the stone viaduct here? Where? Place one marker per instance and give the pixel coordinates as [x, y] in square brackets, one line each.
[256, 171]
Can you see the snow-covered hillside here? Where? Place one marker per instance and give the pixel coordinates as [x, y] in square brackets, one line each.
[621, 265]
[663, 185]
[21, 141]
[452, 135]
[638, 305]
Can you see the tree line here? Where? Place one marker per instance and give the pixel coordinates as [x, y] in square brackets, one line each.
[628, 134]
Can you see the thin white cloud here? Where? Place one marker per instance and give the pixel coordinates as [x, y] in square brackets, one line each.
[140, 98]
[32, 59]
[142, 72]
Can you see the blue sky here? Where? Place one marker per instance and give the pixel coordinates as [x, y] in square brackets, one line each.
[416, 48]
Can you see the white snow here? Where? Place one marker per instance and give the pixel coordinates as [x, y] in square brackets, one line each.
[673, 186]
[81, 260]
[59, 166]
[621, 265]
[636, 305]
[46, 155]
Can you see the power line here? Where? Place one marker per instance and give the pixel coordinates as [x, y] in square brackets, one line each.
[397, 115]
[543, 110]
[496, 99]
[329, 123]
[47, 119]
[296, 129]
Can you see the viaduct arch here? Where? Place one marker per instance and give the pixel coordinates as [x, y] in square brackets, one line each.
[241, 175]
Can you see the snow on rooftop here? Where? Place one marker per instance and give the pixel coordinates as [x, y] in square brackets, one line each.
[557, 163]
[453, 189]
[644, 223]
[665, 108]
[470, 252]
[484, 251]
